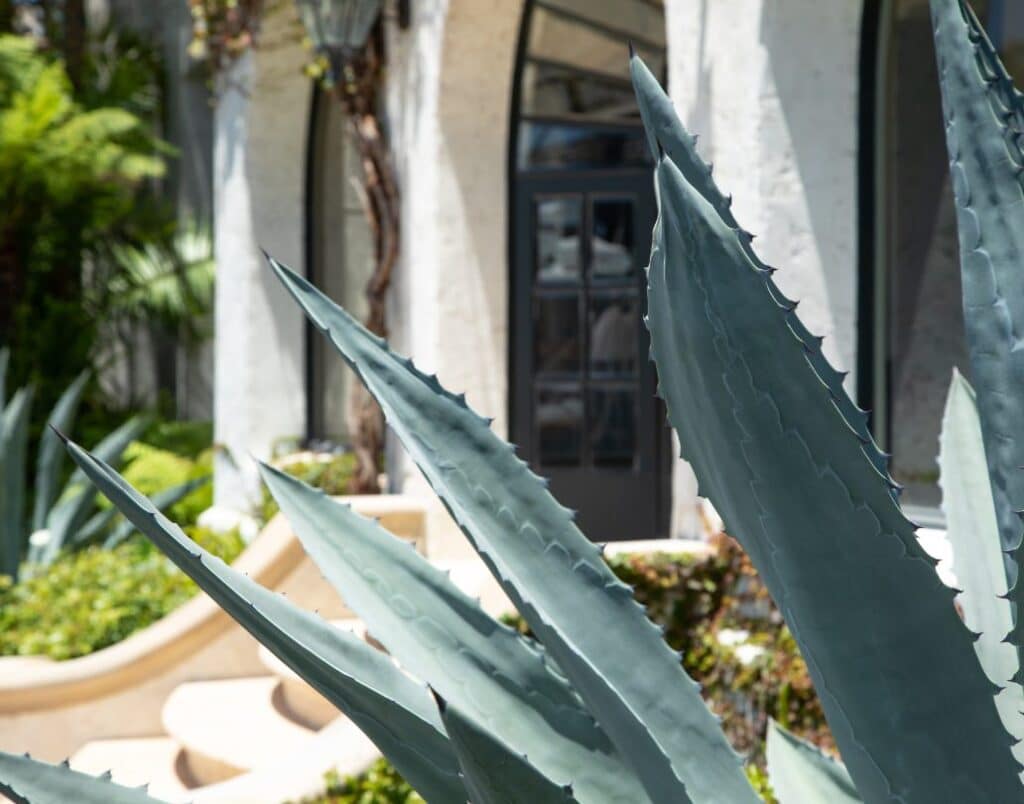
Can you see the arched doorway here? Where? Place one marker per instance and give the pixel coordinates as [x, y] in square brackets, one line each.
[911, 321]
[339, 256]
[582, 401]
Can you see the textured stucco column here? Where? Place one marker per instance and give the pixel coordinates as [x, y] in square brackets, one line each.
[449, 99]
[771, 88]
[259, 163]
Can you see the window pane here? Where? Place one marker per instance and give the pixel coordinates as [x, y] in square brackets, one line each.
[556, 333]
[559, 424]
[556, 38]
[550, 90]
[563, 145]
[558, 239]
[612, 427]
[634, 18]
[613, 336]
[922, 322]
[611, 241]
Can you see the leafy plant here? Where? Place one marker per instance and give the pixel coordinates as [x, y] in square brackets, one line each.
[333, 477]
[71, 176]
[601, 703]
[95, 597]
[381, 784]
[61, 517]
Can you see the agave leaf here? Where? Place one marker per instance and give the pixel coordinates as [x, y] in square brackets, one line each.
[51, 452]
[666, 132]
[13, 454]
[76, 500]
[493, 772]
[587, 619]
[93, 526]
[446, 639]
[29, 781]
[984, 115]
[801, 774]
[5, 361]
[974, 536]
[162, 500]
[892, 662]
[393, 710]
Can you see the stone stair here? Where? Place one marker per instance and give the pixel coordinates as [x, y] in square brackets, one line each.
[253, 740]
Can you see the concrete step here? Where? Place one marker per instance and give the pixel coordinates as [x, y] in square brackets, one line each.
[231, 726]
[155, 761]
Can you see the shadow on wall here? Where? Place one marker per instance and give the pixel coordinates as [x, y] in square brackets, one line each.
[813, 55]
[477, 72]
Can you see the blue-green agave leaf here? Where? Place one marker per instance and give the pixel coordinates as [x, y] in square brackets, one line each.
[801, 774]
[893, 664]
[14, 457]
[93, 526]
[493, 772]
[665, 132]
[977, 556]
[162, 500]
[76, 500]
[29, 781]
[50, 458]
[984, 117]
[446, 639]
[393, 710]
[5, 361]
[587, 619]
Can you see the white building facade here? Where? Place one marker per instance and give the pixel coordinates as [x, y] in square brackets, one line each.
[526, 212]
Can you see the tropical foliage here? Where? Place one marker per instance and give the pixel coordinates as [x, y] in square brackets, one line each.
[71, 176]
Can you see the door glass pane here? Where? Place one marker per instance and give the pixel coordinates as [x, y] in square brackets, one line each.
[612, 427]
[558, 239]
[556, 334]
[559, 415]
[613, 322]
[611, 239]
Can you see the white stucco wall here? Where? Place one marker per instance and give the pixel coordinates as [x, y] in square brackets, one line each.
[259, 167]
[450, 93]
[771, 87]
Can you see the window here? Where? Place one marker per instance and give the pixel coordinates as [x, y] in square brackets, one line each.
[918, 323]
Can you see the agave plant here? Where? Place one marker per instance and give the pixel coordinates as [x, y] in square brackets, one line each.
[599, 710]
[65, 516]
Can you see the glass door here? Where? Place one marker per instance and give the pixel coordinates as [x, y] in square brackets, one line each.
[584, 409]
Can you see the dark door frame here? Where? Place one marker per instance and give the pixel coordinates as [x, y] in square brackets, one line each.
[519, 388]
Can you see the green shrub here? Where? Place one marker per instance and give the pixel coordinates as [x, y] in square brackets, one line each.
[151, 470]
[187, 439]
[381, 784]
[93, 598]
[332, 477]
[717, 613]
